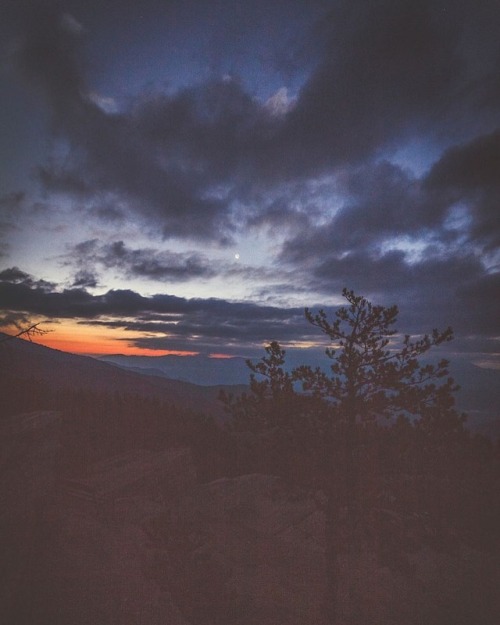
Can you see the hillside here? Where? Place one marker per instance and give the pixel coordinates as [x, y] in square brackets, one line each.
[23, 363]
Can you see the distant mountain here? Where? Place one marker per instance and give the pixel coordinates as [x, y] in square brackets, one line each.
[21, 360]
[201, 370]
[479, 394]
[194, 382]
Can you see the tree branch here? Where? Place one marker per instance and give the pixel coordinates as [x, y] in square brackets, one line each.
[29, 333]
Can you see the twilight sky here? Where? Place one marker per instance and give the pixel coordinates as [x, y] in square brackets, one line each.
[189, 175]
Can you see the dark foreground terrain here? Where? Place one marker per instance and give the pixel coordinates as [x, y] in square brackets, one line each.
[122, 503]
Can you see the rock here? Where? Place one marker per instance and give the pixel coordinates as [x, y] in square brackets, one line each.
[248, 550]
[97, 572]
[75, 551]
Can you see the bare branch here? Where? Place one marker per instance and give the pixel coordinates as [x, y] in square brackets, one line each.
[27, 333]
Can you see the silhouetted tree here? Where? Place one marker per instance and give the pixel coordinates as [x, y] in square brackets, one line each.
[373, 375]
[279, 429]
[376, 377]
[262, 408]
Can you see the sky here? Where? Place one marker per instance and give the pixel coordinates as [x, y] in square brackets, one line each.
[185, 176]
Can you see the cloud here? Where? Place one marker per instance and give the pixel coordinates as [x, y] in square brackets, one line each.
[69, 23]
[469, 175]
[399, 239]
[186, 160]
[469, 167]
[47, 56]
[387, 68]
[146, 263]
[483, 296]
[86, 279]
[214, 322]
[390, 72]
[38, 296]
[111, 152]
[433, 294]
[11, 201]
[14, 275]
[376, 203]
[315, 165]
[279, 104]
[12, 214]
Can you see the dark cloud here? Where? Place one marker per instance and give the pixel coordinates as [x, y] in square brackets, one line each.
[107, 212]
[9, 319]
[84, 249]
[111, 152]
[214, 322]
[85, 279]
[11, 202]
[469, 175]
[141, 263]
[148, 263]
[12, 214]
[392, 276]
[400, 238]
[77, 302]
[280, 217]
[386, 70]
[56, 177]
[14, 275]
[46, 56]
[379, 203]
[208, 325]
[432, 287]
[469, 167]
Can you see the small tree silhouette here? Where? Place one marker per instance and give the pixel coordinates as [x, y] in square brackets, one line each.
[262, 408]
[373, 375]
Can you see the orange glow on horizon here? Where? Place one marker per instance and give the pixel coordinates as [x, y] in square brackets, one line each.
[100, 348]
[86, 341]
[221, 356]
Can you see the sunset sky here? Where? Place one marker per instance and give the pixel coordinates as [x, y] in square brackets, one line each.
[186, 176]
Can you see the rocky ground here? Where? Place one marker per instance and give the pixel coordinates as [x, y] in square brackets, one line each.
[136, 539]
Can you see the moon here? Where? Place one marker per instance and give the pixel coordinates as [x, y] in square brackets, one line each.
[237, 256]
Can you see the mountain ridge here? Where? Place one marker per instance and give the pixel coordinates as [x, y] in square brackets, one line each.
[62, 371]
[478, 395]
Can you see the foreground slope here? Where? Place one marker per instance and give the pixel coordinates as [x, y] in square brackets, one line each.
[137, 539]
[24, 364]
